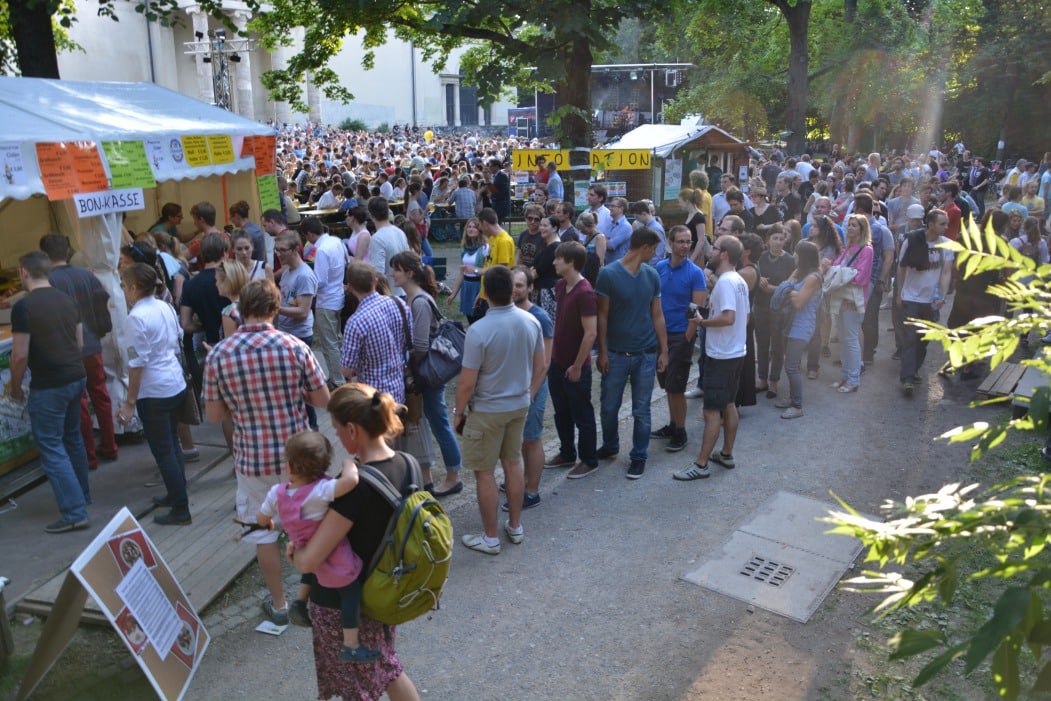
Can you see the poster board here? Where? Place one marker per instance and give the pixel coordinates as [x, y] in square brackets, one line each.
[135, 589]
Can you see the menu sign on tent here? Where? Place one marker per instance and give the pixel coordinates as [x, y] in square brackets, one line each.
[69, 167]
[128, 164]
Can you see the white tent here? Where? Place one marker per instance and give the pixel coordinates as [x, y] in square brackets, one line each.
[193, 152]
[663, 139]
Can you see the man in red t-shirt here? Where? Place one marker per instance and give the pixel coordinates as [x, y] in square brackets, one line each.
[540, 176]
[569, 375]
[947, 193]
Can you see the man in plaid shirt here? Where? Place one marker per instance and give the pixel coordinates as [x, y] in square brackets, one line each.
[262, 379]
[376, 336]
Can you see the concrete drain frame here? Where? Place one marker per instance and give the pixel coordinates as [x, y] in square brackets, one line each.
[791, 563]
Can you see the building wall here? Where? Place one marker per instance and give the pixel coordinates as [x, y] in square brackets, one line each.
[119, 51]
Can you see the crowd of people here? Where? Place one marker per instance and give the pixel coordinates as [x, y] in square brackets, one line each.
[267, 322]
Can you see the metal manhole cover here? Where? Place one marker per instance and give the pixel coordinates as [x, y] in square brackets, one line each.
[767, 571]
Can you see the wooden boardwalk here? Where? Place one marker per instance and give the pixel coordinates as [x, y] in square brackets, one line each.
[203, 555]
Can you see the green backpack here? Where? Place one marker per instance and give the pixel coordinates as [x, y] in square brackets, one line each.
[410, 567]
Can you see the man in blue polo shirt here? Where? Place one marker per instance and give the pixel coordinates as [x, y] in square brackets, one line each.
[632, 344]
[682, 284]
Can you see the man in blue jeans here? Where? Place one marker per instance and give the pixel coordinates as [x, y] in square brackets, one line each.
[632, 344]
[48, 338]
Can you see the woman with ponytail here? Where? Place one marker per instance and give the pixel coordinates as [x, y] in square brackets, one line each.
[365, 421]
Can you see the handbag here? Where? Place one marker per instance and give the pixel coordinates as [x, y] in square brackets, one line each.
[191, 405]
[444, 357]
[837, 286]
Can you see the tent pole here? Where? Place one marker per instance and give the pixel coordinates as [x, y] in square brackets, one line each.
[226, 204]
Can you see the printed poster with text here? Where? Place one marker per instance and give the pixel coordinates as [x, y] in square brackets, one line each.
[263, 149]
[125, 573]
[269, 198]
[70, 167]
[129, 166]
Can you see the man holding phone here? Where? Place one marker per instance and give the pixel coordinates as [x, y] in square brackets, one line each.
[683, 292]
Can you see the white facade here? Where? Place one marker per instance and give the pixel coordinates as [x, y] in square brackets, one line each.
[400, 89]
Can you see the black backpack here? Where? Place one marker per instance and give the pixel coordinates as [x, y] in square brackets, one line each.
[916, 255]
[591, 264]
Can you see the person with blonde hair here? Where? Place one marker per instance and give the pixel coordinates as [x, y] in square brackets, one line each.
[847, 313]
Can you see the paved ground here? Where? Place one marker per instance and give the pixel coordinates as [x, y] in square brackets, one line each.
[592, 606]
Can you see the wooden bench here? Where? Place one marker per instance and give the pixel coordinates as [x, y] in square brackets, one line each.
[1001, 382]
[1032, 379]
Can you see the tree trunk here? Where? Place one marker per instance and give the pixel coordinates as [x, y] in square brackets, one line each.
[33, 38]
[798, 18]
[574, 129]
[850, 11]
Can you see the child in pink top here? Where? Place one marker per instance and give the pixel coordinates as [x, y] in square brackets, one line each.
[300, 504]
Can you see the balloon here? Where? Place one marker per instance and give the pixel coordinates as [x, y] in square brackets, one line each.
[428, 136]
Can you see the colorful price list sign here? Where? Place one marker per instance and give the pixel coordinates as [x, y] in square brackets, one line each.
[269, 198]
[620, 159]
[195, 150]
[129, 166]
[221, 148]
[70, 167]
[263, 149]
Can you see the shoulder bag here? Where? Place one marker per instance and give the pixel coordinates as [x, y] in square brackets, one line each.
[444, 357]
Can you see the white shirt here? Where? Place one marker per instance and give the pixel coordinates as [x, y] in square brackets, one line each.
[330, 263]
[387, 241]
[387, 191]
[154, 336]
[315, 506]
[603, 219]
[725, 342]
[922, 285]
[328, 201]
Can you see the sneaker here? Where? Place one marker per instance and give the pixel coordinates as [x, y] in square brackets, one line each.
[792, 412]
[580, 470]
[695, 393]
[299, 615]
[783, 404]
[191, 455]
[907, 388]
[677, 442]
[63, 526]
[663, 432]
[529, 501]
[693, 471]
[515, 538]
[636, 469]
[811, 374]
[559, 460]
[278, 616]
[605, 453]
[477, 542]
[723, 459]
[173, 519]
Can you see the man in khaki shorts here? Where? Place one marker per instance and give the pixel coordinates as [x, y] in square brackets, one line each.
[503, 367]
[259, 377]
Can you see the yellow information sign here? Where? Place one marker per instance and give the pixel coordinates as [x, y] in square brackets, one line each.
[128, 165]
[221, 146]
[621, 159]
[196, 150]
[525, 159]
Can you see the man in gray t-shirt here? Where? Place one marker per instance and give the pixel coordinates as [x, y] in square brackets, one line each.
[298, 288]
[503, 367]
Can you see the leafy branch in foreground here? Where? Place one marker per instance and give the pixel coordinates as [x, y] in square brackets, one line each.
[926, 549]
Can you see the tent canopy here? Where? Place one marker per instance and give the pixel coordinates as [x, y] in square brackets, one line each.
[663, 139]
[35, 110]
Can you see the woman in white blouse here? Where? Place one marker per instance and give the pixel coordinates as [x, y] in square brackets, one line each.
[156, 385]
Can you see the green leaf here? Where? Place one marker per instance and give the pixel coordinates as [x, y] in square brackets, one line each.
[1005, 670]
[937, 664]
[912, 642]
[1008, 612]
